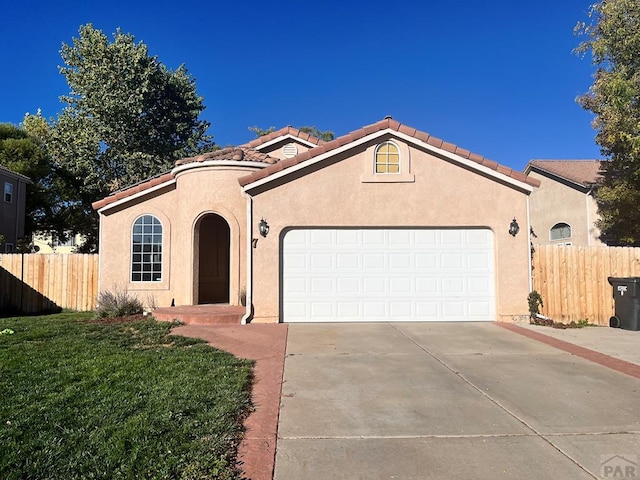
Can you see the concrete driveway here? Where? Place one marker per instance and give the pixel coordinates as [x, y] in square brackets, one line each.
[449, 400]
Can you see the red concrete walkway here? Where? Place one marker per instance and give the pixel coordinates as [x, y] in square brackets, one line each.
[266, 344]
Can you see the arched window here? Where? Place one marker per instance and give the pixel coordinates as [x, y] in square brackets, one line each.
[387, 158]
[560, 231]
[146, 250]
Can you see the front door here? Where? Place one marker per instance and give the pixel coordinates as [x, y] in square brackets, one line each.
[213, 258]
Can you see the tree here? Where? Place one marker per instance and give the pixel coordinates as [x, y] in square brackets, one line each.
[613, 38]
[127, 118]
[25, 154]
[325, 135]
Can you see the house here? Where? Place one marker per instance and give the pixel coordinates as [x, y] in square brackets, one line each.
[49, 243]
[563, 209]
[384, 223]
[12, 208]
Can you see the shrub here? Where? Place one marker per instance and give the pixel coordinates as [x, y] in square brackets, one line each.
[117, 304]
[535, 302]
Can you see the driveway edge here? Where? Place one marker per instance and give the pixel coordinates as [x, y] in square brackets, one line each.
[266, 344]
[608, 361]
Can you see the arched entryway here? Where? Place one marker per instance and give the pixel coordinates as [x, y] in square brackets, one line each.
[213, 242]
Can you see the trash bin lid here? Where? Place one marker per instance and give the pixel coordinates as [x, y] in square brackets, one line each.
[617, 280]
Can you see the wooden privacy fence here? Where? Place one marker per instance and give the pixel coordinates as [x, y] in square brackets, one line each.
[34, 283]
[573, 280]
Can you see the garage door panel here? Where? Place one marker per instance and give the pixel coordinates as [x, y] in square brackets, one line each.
[393, 274]
[374, 285]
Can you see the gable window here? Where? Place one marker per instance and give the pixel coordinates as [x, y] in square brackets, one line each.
[8, 192]
[387, 158]
[146, 250]
[560, 231]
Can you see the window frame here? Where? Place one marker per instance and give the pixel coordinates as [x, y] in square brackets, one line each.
[387, 163]
[559, 226]
[146, 262]
[8, 192]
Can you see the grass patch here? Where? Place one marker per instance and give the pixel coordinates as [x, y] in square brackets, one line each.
[86, 399]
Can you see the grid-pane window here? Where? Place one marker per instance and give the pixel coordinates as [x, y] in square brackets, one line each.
[8, 192]
[146, 250]
[560, 231]
[387, 158]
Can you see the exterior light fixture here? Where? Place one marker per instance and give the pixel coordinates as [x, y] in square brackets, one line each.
[263, 226]
[514, 228]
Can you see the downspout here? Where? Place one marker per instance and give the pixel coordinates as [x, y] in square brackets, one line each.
[588, 216]
[100, 256]
[529, 246]
[249, 288]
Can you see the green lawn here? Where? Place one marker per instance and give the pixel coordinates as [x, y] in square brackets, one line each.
[86, 400]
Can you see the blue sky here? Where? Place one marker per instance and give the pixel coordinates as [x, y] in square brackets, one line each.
[497, 78]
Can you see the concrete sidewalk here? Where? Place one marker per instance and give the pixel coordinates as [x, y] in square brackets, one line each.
[615, 342]
[451, 400]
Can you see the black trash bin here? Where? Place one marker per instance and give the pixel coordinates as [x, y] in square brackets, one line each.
[626, 296]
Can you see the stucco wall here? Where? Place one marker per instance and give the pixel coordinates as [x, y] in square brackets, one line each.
[553, 202]
[440, 195]
[197, 192]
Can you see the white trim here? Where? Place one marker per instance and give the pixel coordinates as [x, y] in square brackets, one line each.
[153, 254]
[136, 195]
[409, 139]
[284, 137]
[217, 163]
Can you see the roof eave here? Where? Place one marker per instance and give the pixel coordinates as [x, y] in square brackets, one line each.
[247, 183]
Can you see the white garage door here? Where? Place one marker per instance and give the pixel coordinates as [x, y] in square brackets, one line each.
[350, 275]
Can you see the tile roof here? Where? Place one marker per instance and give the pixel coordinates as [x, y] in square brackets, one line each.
[387, 123]
[248, 153]
[238, 154]
[582, 172]
[130, 191]
[230, 153]
[289, 130]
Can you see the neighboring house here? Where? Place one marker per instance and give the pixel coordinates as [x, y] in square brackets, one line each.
[384, 223]
[563, 209]
[47, 243]
[13, 187]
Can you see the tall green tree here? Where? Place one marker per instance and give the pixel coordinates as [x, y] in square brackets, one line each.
[127, 118]
[613, 38]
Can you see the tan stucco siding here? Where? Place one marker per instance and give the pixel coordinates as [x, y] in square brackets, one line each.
[442, 195]
[553, 202]
[197, 192]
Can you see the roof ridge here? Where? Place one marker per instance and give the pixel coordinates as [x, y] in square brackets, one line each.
[239, 153]
[288, 130]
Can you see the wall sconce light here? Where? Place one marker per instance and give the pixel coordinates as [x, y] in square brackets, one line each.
[514, 228]
[263, 226]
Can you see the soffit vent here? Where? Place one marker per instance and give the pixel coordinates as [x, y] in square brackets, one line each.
[290, 150]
